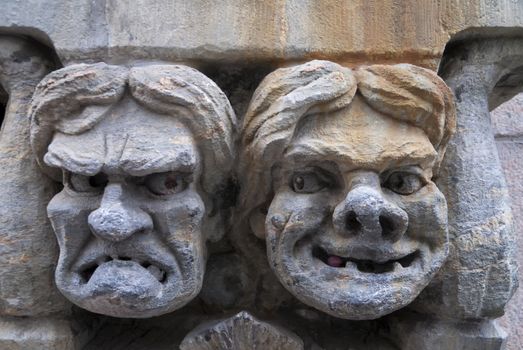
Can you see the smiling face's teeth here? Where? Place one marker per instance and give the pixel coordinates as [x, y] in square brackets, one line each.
[366, 266]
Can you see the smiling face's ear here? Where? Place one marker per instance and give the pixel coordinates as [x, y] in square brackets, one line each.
[257, 223]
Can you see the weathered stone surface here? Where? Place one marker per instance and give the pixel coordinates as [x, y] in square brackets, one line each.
[352, 225]
[28, 249]
[144, 155]
[236, 30]
[36, 334]
[239, 332]
[342, 164]
[417, 332]
[480, 276]
[507, 121]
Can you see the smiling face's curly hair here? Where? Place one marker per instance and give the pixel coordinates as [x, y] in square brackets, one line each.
[74, 99]
[405, 92]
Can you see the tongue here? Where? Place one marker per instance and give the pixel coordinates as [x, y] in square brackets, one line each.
[334, 261]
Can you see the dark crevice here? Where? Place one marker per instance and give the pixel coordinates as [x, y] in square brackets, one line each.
[4, 97]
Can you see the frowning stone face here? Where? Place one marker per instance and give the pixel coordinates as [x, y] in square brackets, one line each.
[142, 154]
[356, 227]
[129, 218]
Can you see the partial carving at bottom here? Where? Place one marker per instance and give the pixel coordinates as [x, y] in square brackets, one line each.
[241, 331]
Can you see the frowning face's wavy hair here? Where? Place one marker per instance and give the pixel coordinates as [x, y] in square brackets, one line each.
[405, 92]
[74, 99]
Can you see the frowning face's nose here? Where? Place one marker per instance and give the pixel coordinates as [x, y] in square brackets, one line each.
[117, 218]
[366, 214]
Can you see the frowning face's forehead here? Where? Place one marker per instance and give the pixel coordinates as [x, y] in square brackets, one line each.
[130, 140]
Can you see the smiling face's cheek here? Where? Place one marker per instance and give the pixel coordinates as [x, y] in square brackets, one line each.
[427, 210]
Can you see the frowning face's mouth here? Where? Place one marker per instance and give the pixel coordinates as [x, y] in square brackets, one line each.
[365, 265]
[87, 270]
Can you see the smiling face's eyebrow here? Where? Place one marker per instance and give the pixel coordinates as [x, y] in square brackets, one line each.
[313, 151]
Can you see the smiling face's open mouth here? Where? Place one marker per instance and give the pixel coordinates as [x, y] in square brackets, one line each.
[366, 266]
[87, 271]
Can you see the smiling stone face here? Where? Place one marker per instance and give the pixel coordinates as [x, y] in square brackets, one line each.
[356, 227]
[342, 163]
[142, 154]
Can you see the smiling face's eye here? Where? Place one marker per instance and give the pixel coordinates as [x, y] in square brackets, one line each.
[87, 184]
[308, 182]
[166, 183]
[404, 183]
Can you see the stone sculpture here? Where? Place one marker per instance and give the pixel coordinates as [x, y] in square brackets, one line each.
[357, 209]
[340, 165]
[144, 154]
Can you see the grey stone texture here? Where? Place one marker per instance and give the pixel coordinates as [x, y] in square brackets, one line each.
[507, 121]
[334, 218]
[479, 277]
[142, 154]
[28, 249]
[273, 30]
[36, 333]
[354, 224]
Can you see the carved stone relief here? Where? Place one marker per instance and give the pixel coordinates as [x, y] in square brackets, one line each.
[342, 163]
[328, 217]
[142, 154]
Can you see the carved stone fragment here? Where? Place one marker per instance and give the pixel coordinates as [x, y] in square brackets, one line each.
[339, 167]
[28, 249]
[239, 332]
[143, 154]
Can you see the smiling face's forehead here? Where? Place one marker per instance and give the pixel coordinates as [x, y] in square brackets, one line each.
[130, 140]
[359, 137]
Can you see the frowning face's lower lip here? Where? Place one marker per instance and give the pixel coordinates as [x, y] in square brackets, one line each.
[402, 261]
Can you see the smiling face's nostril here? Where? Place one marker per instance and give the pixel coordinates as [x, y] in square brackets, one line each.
[387, 226]
[352, 224]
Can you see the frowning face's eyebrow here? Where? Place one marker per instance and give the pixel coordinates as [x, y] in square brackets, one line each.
[140, 161]
[91, 153]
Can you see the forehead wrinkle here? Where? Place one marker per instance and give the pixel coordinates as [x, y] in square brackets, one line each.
[141, 157]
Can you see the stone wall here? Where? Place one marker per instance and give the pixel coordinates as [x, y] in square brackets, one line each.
[508, 127]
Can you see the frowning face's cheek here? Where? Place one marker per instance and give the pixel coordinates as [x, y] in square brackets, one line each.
[178, 223]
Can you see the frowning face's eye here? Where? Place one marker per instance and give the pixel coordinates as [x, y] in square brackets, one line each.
[404, 183]
[163, 184]
[86, 184]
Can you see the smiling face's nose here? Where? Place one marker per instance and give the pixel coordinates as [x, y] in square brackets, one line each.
[117, 218]
[366, 214]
